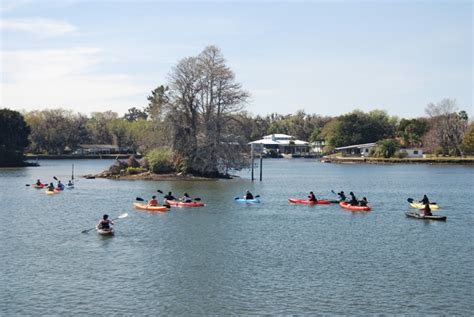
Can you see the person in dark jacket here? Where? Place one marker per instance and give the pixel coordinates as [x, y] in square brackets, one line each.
[312, 197]
[342, 196]
[363, 202]
[425, 200]
[353, 201]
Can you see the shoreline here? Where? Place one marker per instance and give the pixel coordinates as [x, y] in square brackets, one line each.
[147, 176]
[373, 160]
[34, 157]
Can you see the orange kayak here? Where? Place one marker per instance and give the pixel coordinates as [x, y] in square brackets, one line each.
[308, 202]
[348, 206]
[177, 203]
[149, 208]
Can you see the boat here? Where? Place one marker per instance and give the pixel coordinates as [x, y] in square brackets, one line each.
[104, 232]
[50, 192]
[308, 202]
[247, 201]
[38, 186]
[176, 203]
[421, 206]
[69, 186]
[149, 208]
[420, 216]
[348, 206]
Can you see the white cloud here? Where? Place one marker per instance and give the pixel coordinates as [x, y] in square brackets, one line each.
[39, 27]
[33, 79]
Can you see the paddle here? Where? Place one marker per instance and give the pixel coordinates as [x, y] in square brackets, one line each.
[256, 196]
[411, 200]
[125, 215]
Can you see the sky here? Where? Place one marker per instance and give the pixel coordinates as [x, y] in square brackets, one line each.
[323, 57]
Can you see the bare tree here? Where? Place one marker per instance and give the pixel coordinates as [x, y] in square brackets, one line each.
[203, 98]
[447, 126]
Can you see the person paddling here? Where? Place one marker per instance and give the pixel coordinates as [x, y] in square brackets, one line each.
[248, 195]
[105, 223]
[363, 202]
[186, 198]
[153, 201]
[427, 210]
[69, 184]
[60, 185]
[169, 196]
[342, 196]
[51, 187]
[39, 183]
[353, 201]
[425, 200]
[312, 197]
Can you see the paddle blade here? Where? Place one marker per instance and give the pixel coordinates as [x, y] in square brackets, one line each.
[257, 196]
[139, 199]
[197, 199]
[159, 191]
[27, 185]
[235, 198]
[410, 200]
[55, 178]
[125, 215]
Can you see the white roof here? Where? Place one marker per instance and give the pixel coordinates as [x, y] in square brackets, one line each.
[279, 139]
[278, 136]
[356, 146]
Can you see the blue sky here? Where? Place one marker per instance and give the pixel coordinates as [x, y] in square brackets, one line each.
[322, 57]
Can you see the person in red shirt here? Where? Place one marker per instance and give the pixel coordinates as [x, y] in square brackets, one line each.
[153, 201]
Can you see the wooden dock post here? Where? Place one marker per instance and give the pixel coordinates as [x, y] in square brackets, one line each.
[252, 158]
[261, 166]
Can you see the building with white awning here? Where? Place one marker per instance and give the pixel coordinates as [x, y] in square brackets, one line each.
[281, 143]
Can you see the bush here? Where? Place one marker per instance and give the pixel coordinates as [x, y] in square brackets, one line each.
[160, 160]
[133, 170]
[386, 148]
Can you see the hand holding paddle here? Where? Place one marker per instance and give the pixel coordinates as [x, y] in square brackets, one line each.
[125, 215]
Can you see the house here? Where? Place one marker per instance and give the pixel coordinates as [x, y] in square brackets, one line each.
[84, 149]
[356, 150]
[410, 152]
[282, 143]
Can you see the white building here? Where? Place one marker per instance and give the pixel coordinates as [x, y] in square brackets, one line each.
[356, 150]
[282, 143]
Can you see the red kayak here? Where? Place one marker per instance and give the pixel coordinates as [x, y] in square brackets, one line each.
[346, 205]
[308, 202]
[177, 203]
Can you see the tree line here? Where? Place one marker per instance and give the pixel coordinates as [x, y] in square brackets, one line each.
[198, 119]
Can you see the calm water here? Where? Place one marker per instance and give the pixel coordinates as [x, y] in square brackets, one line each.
[228, 258]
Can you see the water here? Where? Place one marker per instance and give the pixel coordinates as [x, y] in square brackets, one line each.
[228, 258]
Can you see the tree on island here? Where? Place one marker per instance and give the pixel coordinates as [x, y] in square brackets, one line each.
[13, 138]
[199, 105]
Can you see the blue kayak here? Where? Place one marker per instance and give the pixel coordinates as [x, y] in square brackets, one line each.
[248, 201]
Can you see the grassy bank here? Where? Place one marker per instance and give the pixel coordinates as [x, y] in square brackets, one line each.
[376, 160]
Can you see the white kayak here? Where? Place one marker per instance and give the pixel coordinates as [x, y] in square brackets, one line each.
[104, 232]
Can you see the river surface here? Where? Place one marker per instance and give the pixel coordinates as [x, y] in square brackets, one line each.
[230, 258]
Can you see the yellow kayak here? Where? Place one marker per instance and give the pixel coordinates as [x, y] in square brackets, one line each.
[421, 206]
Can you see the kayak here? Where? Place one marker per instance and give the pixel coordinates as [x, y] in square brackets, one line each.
[248, 201]
[176, 203]
[308, 202]
[105, 232]
[69, 187]
[150, 208]
[419, 216]
[50, 192]
[348, 206]
[421, 206]
[38, 186]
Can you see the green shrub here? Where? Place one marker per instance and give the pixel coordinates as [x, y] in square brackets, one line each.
[134, 170]
[160, 160]
[385, 148]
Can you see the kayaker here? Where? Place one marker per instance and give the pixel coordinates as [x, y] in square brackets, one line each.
[363, 202]
[153, 201]
[248, 195]
[186, 198]
[425, 200]
[105, 223]
[427, 210]
[60, 185]
[38, 183]
[169, 196]
[69, 184]
[353, 201]
[342, 196]
[312, 197]
[51, 187]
